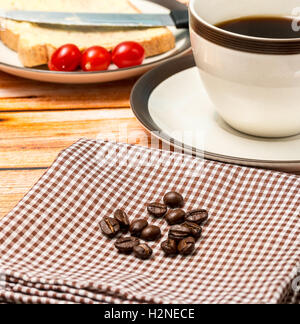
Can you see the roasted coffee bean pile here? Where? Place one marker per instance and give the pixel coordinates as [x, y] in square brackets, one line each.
[185, 228]
[140, 228]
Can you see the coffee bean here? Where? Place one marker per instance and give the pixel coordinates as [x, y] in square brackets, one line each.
[109, 226]
[142, 251]
[169, 247]
[179, 232]
[137, 227]
[198, 216]
[173, 200]
[122, 218]
[151, 233]
[195, 229]
[157, 209]
[186, 246]
[126, 244]
[175, 216]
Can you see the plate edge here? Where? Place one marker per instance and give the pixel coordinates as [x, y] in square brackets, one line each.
[147, 84]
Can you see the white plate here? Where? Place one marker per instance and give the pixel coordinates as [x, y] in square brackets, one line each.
[10, 63]
[172, 103]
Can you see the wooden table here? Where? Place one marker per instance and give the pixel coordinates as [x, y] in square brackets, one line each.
[38, 120]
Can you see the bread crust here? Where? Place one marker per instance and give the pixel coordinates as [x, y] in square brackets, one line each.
[31, 56]
[159, 45]
[10, 39]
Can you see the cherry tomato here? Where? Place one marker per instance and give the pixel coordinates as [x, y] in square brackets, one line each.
[128, 54]
[66, 58]
[95, 58]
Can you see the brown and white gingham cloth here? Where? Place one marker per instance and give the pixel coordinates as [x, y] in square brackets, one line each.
[52, 250]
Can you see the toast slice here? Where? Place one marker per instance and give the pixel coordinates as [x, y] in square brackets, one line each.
[36, 43]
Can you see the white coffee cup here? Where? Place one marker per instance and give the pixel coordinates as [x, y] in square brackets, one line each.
[253, 82]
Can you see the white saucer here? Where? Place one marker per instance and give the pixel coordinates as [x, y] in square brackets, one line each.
[10, 63]
[172, 103]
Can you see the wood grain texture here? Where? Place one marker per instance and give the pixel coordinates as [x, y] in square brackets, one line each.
[33, 139]
[14, 185]
[38, 120]
[20, 94]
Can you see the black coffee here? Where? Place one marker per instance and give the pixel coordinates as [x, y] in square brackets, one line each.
[260, 26]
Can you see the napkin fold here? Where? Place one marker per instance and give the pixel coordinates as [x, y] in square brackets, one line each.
[52, 250]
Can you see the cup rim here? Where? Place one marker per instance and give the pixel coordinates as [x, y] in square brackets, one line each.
[238, 42]
[231, 34]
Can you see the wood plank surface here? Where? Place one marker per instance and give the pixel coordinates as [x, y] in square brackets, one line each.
[33, 139]
[20, 94]
[38, 120]
[14, 185]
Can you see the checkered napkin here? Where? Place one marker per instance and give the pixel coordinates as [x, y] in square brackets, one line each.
[52, 250]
